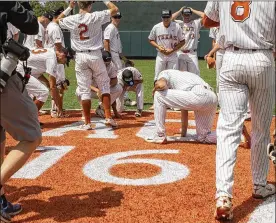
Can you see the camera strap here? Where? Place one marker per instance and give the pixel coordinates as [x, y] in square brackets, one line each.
[27, 75]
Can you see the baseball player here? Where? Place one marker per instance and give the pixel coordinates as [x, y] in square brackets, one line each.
[12, 32]
[167, 38]
[54, 39]
[247, 73]
[187, 55]
[37, 41]
[113, 44]
[187, 92]
[86, 40]
[131, 80]
[115, 87]
[43, 61]
[112, 41]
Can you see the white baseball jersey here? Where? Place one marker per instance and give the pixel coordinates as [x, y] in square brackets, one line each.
[191, 33]
[111, 33]
[166, 37]
[53, 35]
[136, 75]
[41, 61]
[86, 29]
[176, 81]
[11, 30]
[30, 40]
[238, 29]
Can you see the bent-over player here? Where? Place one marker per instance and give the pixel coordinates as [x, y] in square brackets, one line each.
[131, 80]
[187, 92]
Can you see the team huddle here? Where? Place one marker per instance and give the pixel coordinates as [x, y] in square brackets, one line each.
[245, 75]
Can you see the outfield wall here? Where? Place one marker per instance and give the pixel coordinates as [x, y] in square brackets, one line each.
[139, 18]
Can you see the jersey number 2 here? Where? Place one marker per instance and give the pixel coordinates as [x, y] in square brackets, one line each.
[83, 29]
[240, 5]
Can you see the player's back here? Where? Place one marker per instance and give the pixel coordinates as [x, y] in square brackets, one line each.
[86, 29]
[247, 24]
[40, 61]
[181, 80]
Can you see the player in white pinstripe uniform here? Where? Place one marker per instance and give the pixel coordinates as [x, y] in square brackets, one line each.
[187, 92]
[43, 61]
[131, 80]
[167, 38]
[247, 32]
[115, 87]
[54, 39]
[112, 41]
[187, 55]
[87, 41]
[38, 40]
[12, 32]
[113, 44]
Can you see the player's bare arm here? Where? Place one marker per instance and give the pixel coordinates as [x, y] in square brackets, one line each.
[213, 51]
[113, 8]
[66, 11]
[154, 44]
[38, 43]
[176, 14]
[106, 43]
[43, 79]
[97, 90]
[184, 122]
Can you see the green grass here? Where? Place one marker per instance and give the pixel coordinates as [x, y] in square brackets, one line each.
[146, 67]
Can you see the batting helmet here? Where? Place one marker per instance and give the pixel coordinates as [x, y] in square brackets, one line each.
[127, 77]
[106, 56]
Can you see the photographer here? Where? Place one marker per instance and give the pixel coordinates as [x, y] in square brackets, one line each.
[24, 126]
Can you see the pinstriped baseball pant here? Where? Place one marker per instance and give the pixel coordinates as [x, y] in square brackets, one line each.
[245, 75]
[200, 100]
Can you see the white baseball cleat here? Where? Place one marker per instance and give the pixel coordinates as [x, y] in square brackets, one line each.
[224, 208]
[111, 123]
[261, 192]
[138, 113]
[86, 126]
[157, 139]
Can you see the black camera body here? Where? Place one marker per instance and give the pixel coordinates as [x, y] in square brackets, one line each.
[12, 52]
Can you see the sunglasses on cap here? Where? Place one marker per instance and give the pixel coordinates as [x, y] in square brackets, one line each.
[117, 17]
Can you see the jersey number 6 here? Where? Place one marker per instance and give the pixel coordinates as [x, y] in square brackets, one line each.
[83, 29]
[240, 11]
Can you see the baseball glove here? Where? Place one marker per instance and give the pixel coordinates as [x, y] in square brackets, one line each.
[129, 63]
[271, 150]
[211, 62]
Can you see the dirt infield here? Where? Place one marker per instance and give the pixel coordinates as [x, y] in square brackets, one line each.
[115, 176]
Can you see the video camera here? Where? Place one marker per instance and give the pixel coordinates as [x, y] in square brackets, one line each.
[12, 52]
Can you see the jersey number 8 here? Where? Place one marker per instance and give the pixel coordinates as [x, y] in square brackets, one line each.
[240, 6]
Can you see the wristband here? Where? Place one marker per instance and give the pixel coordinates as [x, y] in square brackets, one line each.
[67, 11]
[106, 2]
